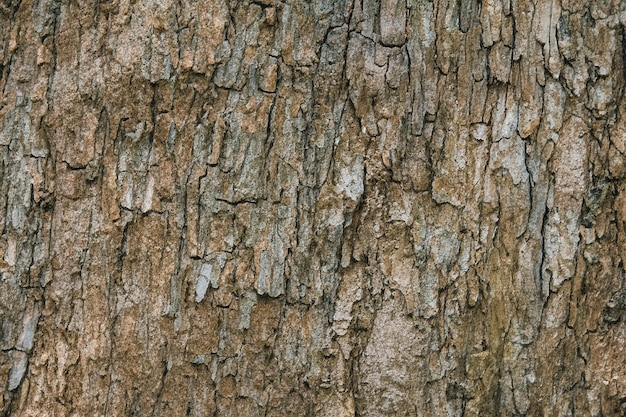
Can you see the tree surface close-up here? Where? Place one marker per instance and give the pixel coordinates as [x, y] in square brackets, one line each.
[312, 208]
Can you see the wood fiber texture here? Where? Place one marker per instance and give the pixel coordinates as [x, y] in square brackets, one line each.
[312, 208]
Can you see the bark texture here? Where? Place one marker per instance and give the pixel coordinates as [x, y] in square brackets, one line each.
[312, 208]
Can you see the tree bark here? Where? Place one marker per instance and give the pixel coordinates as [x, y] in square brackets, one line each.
[325, 208]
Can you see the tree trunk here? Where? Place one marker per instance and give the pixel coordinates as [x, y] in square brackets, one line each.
[326, 208]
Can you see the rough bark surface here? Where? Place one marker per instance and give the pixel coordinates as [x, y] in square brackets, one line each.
[326, 208]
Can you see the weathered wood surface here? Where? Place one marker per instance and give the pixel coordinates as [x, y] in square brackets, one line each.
[325, 208]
